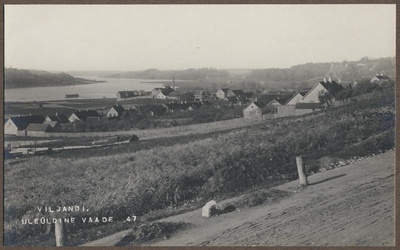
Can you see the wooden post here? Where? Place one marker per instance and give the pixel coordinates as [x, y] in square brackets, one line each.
[60, 234]
[300, 170]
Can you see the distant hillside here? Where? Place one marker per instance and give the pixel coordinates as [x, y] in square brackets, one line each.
[20, 78]
[303, 75]
[99, 73]
[345, 71]
[188, 74]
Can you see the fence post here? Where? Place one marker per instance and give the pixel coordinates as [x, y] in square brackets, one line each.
[60, 233]
[300, 170]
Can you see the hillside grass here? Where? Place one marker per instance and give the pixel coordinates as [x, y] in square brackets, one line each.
[123, 183]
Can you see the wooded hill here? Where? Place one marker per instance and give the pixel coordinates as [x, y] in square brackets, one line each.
[346, 71]
[19, 78]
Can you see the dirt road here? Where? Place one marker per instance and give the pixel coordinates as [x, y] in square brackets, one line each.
[346, 206]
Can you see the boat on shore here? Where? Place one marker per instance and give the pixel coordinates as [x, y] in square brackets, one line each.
[71, 95]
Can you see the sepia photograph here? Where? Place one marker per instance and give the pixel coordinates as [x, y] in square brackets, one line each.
[199, 125]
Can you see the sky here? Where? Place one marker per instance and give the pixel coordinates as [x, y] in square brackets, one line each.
[139, 37]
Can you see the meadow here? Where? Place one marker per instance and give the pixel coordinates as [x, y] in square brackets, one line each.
[193, 168]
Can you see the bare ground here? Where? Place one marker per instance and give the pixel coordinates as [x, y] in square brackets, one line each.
[347, 206]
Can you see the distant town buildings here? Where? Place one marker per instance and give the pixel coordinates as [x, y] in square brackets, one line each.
[298, 104]
[161, 93]
[127, 95]
[379, 79]
[83, 115]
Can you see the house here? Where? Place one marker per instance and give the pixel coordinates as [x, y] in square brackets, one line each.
[296, 98]
[305, 108]
[254, 110]
[161, 93]
[379, 79]
[221, 94]
[127, 95]
[200, 95]
[115, 112]
[326, 86]
[176, 95]
[55, 126]
[236, 92]
[61, 118]
[37, 130]
[15, 125]
[235, 100]
[83, 115]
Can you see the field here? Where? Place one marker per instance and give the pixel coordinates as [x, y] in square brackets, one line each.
[193, 169]
[68, 106]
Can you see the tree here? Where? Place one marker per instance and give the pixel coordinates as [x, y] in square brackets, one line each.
[325, 98]
[187, 96]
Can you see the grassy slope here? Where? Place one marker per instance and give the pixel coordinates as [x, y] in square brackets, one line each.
[121, 183]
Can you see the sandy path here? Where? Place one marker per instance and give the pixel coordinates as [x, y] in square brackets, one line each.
[351, 205]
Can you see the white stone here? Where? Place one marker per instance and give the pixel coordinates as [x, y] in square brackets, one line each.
[209, 208]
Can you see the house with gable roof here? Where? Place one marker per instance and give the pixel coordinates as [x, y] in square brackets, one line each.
[380, 78]
[325, 86]
[127, 95]
[254, 110]
[161, 93]
[16, 125]
[115, 112]
[222, 93]
[83, 115]
[61, 118]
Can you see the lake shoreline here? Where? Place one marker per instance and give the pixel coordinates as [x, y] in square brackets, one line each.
[91, 88]
[87, 82]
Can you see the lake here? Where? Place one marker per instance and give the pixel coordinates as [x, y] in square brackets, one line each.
[106, 89]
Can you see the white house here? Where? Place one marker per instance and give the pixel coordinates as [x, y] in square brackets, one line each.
[325, 86]
[15, 124]
[221, 94]
[296, 98]
[161, 93]
[379, 79]
[253, 110]
[115, 111]
[83, 115]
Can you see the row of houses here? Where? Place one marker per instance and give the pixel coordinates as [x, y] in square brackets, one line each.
[165, 92]
[36, 125]
[235, 96]
[298, 104]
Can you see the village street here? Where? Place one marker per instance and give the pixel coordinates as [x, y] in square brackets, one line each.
[346, 206]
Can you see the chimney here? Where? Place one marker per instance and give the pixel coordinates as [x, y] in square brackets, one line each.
[324, 79]
[377, 74]
[340, 80]
[330, 79]
[381, 74]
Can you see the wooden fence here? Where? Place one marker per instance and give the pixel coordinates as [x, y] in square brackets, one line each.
[166, 132]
